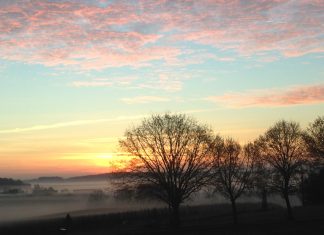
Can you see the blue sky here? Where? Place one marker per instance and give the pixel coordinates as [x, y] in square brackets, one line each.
[75, 74]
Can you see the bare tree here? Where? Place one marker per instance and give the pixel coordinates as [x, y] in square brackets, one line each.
[261, 174]
[314, 138]
[283, 151]
[172, 153]
[232, 170]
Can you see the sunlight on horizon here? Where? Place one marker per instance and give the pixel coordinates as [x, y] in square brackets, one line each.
[74, 75]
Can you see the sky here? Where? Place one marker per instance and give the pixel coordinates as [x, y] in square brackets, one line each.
[74, 75]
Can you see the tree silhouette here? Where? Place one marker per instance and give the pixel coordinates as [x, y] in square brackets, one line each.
[313, 188]
[232, 170]
[172, 153]
[314, 138]
[283, 152]
[261, 174]
[311, 172]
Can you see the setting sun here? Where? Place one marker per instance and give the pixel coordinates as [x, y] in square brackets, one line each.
[104, 160]
[112, 162]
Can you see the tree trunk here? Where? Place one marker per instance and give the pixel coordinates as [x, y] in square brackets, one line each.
[264, 203]
[234, 210]
[175, 217]
[289, 211]
[302, 191]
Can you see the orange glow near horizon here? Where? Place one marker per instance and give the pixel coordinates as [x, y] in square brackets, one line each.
[74, 75]
[114, 162]
[65, 166]
[91, 148]
[42, 154]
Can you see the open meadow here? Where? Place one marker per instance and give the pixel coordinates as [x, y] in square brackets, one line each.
[203, 219]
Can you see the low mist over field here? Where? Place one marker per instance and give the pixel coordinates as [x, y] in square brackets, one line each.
[90, 198]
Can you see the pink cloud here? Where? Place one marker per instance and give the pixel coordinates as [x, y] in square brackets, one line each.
[292, 28]
[302, 95]
[104, 58]
[101, 34]
[76, 34]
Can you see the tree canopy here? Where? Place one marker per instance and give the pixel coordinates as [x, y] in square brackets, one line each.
[173, 153]
[283, 150]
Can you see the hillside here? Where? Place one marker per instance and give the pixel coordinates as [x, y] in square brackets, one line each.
[99, 177]
[83, 178]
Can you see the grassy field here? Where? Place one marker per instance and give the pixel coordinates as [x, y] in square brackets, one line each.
[204, 219]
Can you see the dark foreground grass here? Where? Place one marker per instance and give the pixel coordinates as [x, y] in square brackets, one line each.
[204, 219]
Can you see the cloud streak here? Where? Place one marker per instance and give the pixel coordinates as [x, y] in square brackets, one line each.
[92, 84]
[144, 99]
[298, 95]
[69, 124]
[94, 121]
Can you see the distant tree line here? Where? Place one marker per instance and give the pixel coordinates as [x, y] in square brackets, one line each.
[39, 190]
[11, 182]
[175, 156]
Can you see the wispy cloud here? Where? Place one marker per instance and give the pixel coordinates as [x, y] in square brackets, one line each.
[69, 124]
[94, 121]
[120, 81]
[164, 82]
[144, 99]
[169, 82]
[91, 84]
[272, 98]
